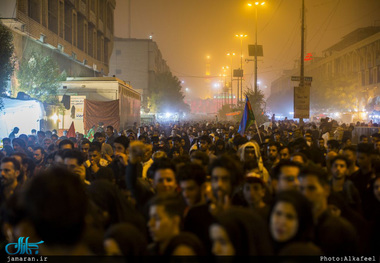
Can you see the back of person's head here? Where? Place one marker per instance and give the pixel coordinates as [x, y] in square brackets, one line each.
[170, 202]
[187, 239]
[364, 148]
[74, 154]
[246, 230]
[159, 155]
[55, 203]
[130, 240]
[334, 144]
[110, 200]
[201, 156]
[192, 171]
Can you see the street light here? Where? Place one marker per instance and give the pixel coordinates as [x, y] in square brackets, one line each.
[230, 55]
[257, 3]
[241, 36]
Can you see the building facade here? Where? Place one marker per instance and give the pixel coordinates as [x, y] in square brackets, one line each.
[78, 34]
[137, 61]
[353, 62]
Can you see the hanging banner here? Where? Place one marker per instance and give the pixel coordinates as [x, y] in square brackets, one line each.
[302, 102]
[76, 107]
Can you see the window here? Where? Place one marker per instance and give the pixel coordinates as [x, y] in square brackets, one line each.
[109, 18]
[53, 16]
[105, 56]
[75, 29]
[68, 23]
[61, 22]
[81, 32]
[34, 9]
[99, 47]
[90, 44]
[93, 4]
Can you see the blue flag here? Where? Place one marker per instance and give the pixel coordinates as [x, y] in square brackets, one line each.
[248, 117]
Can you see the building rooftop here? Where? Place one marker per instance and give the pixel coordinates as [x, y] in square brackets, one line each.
[354, 37]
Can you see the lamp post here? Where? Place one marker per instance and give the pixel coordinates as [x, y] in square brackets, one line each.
[231, 54]
[256, 4]
[240, 95]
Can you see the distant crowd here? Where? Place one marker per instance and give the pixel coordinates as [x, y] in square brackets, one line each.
[193, 189]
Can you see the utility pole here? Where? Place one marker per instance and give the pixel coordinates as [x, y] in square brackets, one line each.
[302, 81]
[129, 18]
[256, 52]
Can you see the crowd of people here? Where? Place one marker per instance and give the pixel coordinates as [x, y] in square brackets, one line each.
[193, 189]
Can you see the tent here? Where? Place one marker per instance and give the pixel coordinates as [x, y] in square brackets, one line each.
[24, 114]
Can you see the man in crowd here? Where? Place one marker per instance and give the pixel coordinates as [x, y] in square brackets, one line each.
[39, 159]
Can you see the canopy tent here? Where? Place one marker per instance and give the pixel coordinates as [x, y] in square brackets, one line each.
[24, 114]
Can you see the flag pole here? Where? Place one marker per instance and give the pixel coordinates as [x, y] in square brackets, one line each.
[258, 131]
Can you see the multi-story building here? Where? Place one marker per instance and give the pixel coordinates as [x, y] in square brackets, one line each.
[78, 34]
[137, 61]
[354, 60]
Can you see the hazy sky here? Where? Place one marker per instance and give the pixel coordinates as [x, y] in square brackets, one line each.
[186, 31]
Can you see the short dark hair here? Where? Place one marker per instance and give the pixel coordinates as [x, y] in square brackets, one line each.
[363, 136]
[205, 138]
[171, 203]
[16, 164]
[41, 149]
[283, 163]
[303, 156]
[74, 154]
[316, 172]
[350, 148]
[95, 147]
[123, 140]
[340, 157]
[109, 127]
[285, 147]
[334, 144]
[6, 140]
[199, 155]
[64, 142]
[365, 148]
[232, 166]
[41, 132]
[20, 142]
[160, 164]
[84, 141]
[192, 171]
[99, 134]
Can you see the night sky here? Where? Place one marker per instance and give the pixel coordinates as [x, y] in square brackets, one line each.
[187, 31]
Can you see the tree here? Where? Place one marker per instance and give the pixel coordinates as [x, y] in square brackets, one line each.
[258, 103]
[39, 77]
[6, 60]
[339, 93]
[165, 94]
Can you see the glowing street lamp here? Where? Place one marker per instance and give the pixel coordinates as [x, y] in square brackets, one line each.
[241, 36]
[257, 3]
